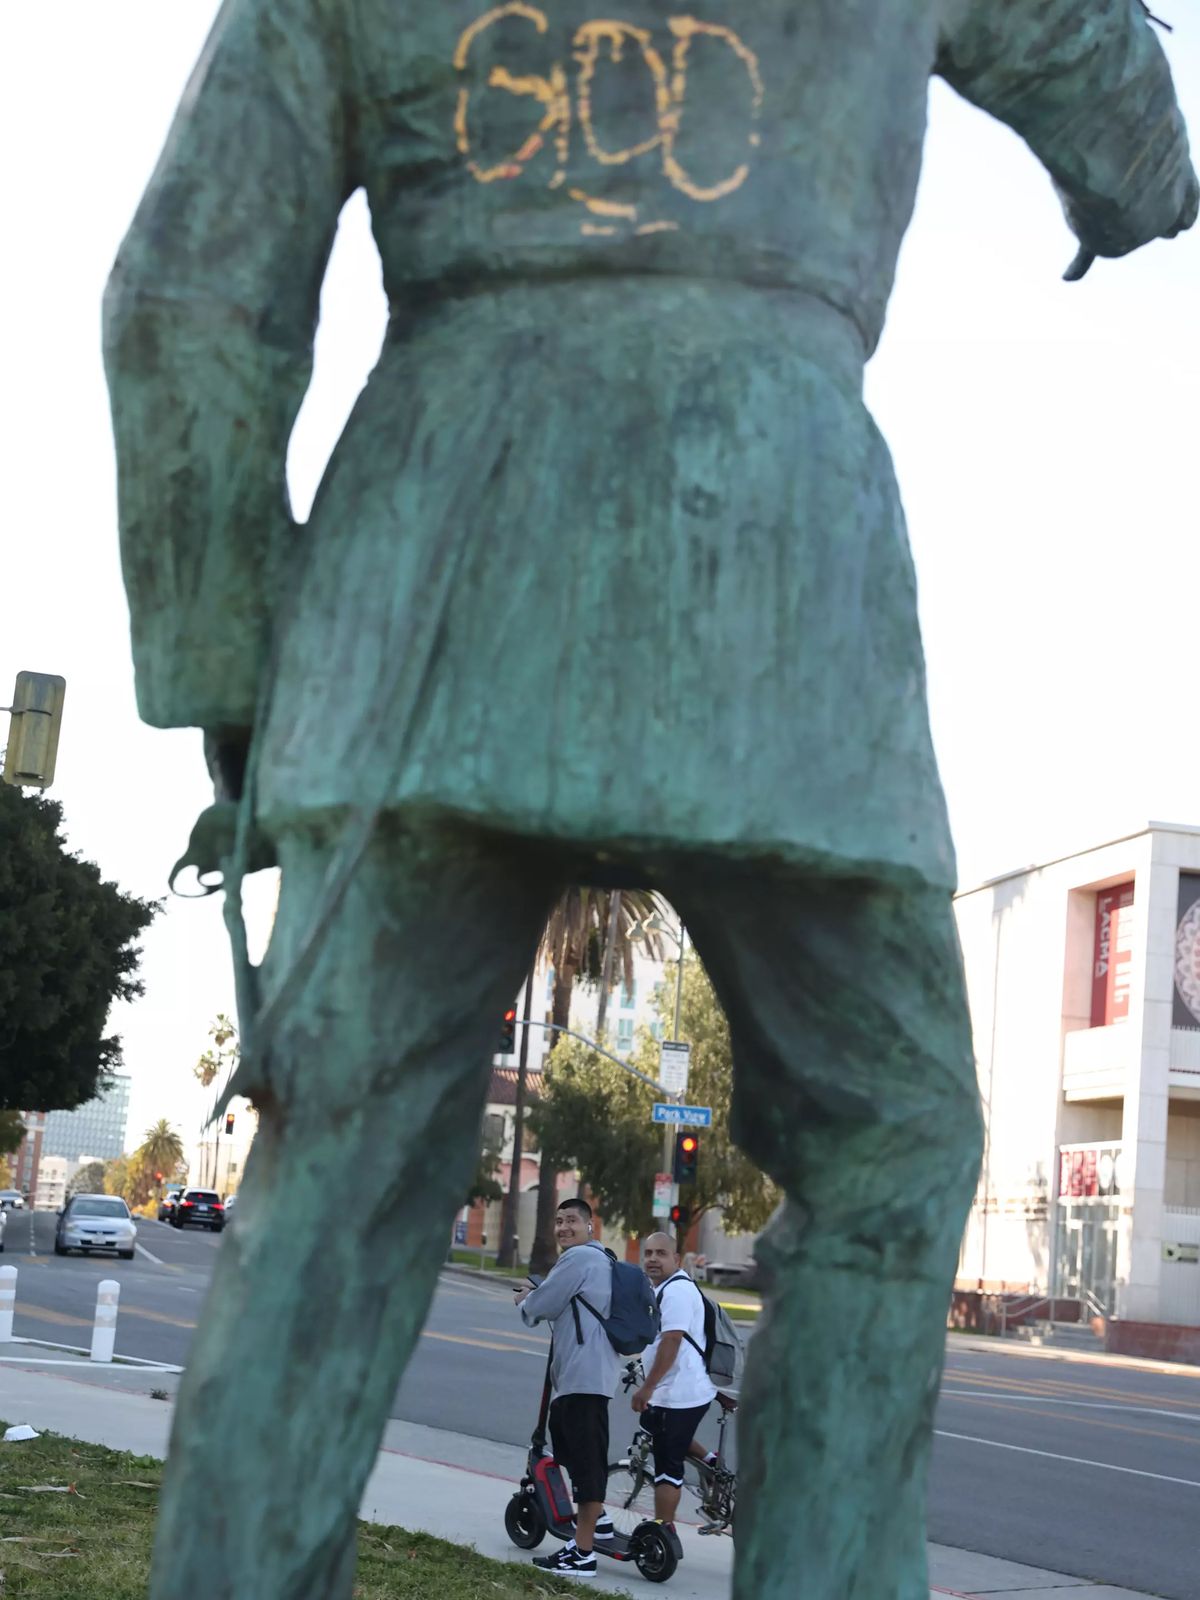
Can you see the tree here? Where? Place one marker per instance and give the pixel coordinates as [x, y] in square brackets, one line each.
[484, 1185]
[12, 1131]
[161, 1151]
[68, 950]
[222, 1055]
[589, 931]
[595, 1117]
[88, 1180]
[131, 1178]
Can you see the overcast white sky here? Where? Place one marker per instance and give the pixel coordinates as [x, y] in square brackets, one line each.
[1045, 435]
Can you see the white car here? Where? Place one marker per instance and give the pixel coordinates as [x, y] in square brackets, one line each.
[3, 1221]
[11, 1200]
[95, 1222]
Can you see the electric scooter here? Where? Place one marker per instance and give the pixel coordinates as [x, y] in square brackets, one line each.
[542, 1505]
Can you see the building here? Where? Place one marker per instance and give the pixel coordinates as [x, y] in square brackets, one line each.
[1083, 977]
[27, 1160]
[218, 1160]
[56, 1175]
[97, 1127]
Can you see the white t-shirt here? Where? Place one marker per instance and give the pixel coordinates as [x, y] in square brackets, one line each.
[686, 1384]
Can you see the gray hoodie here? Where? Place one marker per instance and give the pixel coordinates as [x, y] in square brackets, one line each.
[584, 1361]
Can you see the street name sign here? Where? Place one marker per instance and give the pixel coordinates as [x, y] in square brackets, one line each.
[673, 1062]
[689, 1116]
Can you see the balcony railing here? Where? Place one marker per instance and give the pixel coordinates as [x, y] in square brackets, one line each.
[1097, 1061]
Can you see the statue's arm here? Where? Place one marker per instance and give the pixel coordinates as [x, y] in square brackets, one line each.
[1087, 86]
[209, 318]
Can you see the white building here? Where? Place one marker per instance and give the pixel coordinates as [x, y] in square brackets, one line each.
[1083, 977]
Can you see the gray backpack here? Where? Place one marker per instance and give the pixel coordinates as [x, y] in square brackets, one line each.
[723, 1355]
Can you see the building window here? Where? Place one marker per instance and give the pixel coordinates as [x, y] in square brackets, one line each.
[657, 1031]
[624, 1034]
[628, 995]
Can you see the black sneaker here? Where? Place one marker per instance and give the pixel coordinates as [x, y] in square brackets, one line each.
[569, 1561]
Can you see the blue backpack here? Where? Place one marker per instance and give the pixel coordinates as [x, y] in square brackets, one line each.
[633, 1318]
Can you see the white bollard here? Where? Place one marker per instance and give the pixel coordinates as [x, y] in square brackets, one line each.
[8, 1301]
[104, 1333]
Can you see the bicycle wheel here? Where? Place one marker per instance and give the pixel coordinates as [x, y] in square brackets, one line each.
[629, 1497]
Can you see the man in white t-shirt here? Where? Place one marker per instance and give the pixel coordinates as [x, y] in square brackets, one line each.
[677, 1391]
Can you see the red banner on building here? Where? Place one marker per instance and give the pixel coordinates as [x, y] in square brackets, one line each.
[1113, 958]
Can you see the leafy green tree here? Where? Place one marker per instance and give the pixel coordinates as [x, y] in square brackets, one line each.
[161, 1151]
[597, 1118]
[88, 1180]
[131, 1178]
[68, 950]
[484, 1184]
[588, 936]
[222, 1055]
[12, 1131]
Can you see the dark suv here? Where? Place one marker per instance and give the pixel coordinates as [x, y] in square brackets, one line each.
[199, 1206]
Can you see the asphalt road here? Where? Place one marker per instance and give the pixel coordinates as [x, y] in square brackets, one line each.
[1080, 1468]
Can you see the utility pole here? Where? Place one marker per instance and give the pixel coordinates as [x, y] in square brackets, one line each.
[510, 1213]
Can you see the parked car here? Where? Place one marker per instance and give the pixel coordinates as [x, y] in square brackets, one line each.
[166, 1204]
[95, 1222]
[11, 1200]
[3, 1223]
[201, 1207]
[230, 1202]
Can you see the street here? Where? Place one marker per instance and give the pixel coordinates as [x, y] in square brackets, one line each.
[1074, 1466]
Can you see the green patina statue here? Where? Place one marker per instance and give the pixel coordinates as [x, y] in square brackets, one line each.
[607, 581]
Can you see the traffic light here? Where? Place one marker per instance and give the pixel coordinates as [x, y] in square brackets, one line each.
[687, 1152]
[158, 1177]
[508, 1032]
[681, 1218]
[33, 731]
[229, 1123]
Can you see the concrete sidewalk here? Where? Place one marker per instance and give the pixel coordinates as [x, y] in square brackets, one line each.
[424, 1477]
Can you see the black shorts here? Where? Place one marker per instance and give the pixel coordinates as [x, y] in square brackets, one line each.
[672, 1431]
[579, 1436]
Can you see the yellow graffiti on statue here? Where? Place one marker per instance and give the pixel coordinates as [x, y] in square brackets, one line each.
[593, 44]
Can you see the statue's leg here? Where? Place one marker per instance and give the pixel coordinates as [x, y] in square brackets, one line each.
[855, 1089]
[370, 1117]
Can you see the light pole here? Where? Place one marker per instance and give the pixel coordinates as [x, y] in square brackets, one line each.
[657, 924]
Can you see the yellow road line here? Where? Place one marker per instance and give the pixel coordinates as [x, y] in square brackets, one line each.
[62, 1318]
[529, 1338]
[1063, 1389]
[1092, 1422]
[479, 1344]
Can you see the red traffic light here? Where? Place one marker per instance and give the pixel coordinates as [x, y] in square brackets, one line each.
[687, 1156]
[688, 1143]
[508, 1032]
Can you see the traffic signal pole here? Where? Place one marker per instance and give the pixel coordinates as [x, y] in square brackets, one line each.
[510, 1216]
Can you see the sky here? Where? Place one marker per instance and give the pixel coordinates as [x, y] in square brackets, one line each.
[1045, 437]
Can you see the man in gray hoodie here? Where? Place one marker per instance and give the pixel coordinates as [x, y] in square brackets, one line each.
[573, 1298]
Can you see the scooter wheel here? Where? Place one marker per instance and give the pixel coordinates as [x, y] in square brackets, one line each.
[654, 1554]
[523, 1522]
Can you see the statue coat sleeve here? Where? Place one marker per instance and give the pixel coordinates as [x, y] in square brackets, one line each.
[209, 318]
[1087, 86]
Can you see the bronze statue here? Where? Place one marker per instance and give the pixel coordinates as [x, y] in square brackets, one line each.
[607, 581]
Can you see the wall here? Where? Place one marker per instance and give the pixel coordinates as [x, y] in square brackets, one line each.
[1183, 1155]
[1027, 943]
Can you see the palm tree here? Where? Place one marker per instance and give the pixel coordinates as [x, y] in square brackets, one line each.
[161, 1150]
[589, 932]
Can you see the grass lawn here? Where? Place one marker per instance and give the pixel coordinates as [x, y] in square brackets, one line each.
[462, 1257]
[93, 1543]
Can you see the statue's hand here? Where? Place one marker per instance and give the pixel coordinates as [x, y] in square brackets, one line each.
[226, 751]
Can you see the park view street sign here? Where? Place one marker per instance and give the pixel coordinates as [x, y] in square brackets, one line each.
[689, 1116]
[673, 1065]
